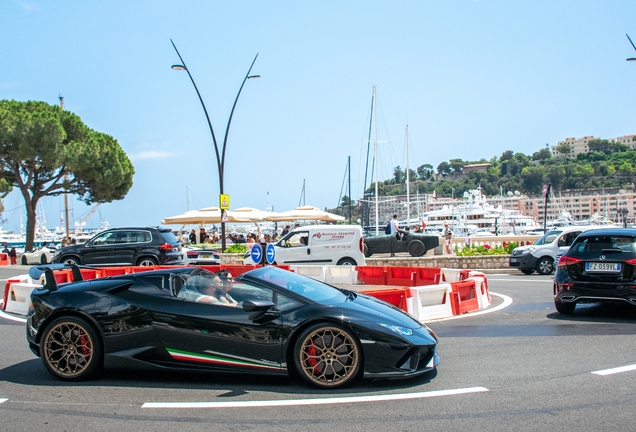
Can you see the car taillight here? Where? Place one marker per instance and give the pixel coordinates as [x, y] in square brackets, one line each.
[192, 254]
[167, 247]
[631, 261]
[567, 260]
[361, 245]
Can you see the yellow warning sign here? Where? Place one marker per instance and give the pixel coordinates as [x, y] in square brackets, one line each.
[224, 201]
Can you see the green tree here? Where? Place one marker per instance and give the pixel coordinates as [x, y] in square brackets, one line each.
[425, 171]
[542, 155]
[564, 148]
[46, 151]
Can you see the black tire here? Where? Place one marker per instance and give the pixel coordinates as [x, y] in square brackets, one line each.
[147, 262]
[545, 266]
[365, 250]
[71, 260]
[527, 272]
[327, 356]
[70, 349]
[347, 262]
[565, 308]
[416, 248]
[23, 260]
[43, 259]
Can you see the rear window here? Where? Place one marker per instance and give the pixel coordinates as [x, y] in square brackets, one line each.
[169, 237]
[605, 244]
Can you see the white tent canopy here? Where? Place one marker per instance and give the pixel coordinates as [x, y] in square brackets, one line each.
[306, 213]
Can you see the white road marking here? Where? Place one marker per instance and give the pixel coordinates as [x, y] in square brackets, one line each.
[321, 401]
[3, 400]
[521, 280]
[507, 301]
[615, 370]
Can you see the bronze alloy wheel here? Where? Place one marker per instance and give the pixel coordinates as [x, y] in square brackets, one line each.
[327, 356]
[70, 349]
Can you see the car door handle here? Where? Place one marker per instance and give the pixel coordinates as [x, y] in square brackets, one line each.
[308, 251]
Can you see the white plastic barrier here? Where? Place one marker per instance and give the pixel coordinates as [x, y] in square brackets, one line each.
[19, 297]
[341, 275]
[312, 271]
[451, 275]
[430, 302]
[481, 291]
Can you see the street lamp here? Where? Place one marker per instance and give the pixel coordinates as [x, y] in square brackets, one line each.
[220, 157]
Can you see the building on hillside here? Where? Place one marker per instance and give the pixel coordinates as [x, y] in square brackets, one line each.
[580, 145]
[475, 167]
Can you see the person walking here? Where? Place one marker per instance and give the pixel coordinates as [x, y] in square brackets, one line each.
[448, 239]
[13, 255]
[396, 234]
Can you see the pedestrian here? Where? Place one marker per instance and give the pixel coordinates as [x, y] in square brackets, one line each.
[13, 255]
[285, 230]
[193, 237]
[448, 239]
[396, 234]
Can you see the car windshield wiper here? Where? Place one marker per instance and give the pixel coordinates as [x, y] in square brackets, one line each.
[618, 250]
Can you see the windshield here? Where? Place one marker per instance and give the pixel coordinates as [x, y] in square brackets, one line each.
[548, 238]
[309, 288]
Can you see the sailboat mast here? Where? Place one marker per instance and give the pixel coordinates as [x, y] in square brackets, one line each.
[349, 172]
[66, 222]
[365, 214]
[375, 163]
[408, 195]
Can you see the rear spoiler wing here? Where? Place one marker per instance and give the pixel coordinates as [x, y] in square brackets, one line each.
[47, 270]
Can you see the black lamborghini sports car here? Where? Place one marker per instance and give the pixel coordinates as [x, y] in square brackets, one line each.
[278, 322]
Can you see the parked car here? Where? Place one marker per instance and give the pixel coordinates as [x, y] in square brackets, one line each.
[541, 256]
[199, 256]
[282, 323]
[413, 243]
[39, 255]
[125, 246]
[319, 245]
[600, 266]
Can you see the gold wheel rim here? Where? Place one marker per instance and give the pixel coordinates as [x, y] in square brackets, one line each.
[68, 349]
[329, 356]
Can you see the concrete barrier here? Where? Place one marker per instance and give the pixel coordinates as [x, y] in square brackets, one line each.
[341, 275]
[314, 272]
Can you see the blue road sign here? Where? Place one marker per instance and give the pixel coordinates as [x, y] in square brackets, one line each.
[270, 253]
[257, 253]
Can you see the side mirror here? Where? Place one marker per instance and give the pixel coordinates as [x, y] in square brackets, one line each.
[257, 305]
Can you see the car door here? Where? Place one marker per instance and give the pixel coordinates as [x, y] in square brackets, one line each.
[129, 242]
[294, 249]
[100, 249]
[566, 240]
[220, 337]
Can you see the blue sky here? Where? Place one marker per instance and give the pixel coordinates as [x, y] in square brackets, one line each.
[472, 79]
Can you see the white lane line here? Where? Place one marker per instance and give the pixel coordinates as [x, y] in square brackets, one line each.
[521, 280]
[321, 401]
[615, 370]
[3, 400]
[507, 301]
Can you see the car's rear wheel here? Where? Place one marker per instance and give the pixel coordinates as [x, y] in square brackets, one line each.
[365, 249]
[23, 260]
[416, 248]
[70, 349]
[327, 356]
[565, 308]
[42, 259]
[146, 262]
[347, 262]
[545, 266]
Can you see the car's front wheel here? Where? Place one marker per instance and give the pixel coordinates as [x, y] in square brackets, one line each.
[70, 349]
[71, 261]
[545, 266]
[42, 259]
[327, 356]
[23, 260]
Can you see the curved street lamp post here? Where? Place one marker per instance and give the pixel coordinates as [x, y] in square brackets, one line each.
[220, 157]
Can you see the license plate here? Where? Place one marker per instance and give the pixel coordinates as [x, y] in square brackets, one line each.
[602, 267]
[513, 259]
[205, 256]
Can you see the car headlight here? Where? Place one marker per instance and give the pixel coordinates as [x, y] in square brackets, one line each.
[527, 251]
[404, 331]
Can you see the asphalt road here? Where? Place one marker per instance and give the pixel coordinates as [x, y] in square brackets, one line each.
[524, 367]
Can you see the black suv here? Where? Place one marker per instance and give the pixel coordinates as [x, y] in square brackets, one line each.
[126, 246]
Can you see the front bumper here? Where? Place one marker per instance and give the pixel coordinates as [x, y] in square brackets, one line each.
[523, 262]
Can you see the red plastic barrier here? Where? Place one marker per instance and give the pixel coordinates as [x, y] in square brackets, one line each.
[369, 275]
[464, 274]
[463, 298]
[400, 276]
[6, 290]
[63, 276]
[212, 268]
[112, 271]
[4, 259]
[427, 276]
[238, 269]
[139, 269]
[88, 274]
[395, 296]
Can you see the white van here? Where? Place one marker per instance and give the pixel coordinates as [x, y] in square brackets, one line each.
[540, 256]
[319, 245]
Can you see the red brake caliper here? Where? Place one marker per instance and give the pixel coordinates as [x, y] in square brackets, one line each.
[86, 345]
[311, 353]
